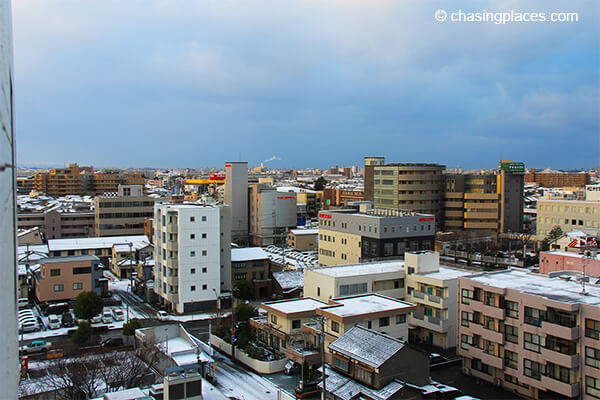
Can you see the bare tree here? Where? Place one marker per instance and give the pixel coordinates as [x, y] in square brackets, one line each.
[124, 370]
[75, 378]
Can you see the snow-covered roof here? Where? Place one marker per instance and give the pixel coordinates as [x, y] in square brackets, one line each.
[248, 254]
[367, 346]
[295, 305]
[50, 260]
[139, 241]
[346, 388]
[289, 279]
[312, 231]
[366, 304]
[381, 267]
[128, 394]
[446, 273]
[541, 285]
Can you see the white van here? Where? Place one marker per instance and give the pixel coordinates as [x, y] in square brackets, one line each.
[106, 317]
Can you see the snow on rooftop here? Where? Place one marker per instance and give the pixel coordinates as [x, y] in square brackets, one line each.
[289, 279]
[366, 304]
[541, 285]
[362, 269]
[139, 241]
[295, 305]
[248, 254]
[446, 273]
[368, 346]
[311, 231]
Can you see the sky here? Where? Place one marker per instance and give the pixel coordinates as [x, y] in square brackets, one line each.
[182, 83]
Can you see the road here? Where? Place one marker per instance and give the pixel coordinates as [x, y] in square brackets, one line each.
[140, 308]
[236, 382]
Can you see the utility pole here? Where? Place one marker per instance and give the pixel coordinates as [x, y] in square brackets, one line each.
[321, 320]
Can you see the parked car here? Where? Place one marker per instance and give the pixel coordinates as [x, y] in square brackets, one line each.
[162, 315]
[291, 368]
[106, 317]
[117, 314]
[53, 321]
[67, 320]
[435, 358]
[112, 342]
[57, 308]
[96, 319]
[29, 326]
[54, 353]
[23, 302]
[36, 346]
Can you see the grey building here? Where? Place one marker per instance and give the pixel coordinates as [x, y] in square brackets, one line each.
[236, 196]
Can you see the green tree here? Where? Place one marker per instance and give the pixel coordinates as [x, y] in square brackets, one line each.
[243, 290]
[244, 311]
[130, 327]
[554, 234]
[82, 334]
[87, 305]
[320, 183]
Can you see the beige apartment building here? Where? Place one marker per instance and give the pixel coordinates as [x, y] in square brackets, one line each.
[58, 223]
[569, 215]
[63, 278]
[59, 181]
[433, 288]
[303, 239]
[531, 334]
[122, 213]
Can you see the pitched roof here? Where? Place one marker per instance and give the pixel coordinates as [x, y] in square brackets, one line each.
[367, 346]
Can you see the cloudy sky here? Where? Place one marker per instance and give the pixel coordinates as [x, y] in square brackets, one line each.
[187, 83]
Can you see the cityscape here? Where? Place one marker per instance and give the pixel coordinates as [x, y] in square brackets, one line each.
[333, 247]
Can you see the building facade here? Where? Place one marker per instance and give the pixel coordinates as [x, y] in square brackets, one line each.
[192, 255]
[236, 196]
[56, 223]
[530, 333]
[64, 278]
[569, 215]
[303, 239]
[252, 264]
[271, 215]
[122, 213]
[348, 237]
[557, 179]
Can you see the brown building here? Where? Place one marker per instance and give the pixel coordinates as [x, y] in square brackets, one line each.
[56, 223]
[109, 181]
[303, 239]
[59, 181]
[63, 278]
[25, 184]
[557, 179]
[122, 213]
[336, 197]
[370, 164]
[149, 229]
[252, 264]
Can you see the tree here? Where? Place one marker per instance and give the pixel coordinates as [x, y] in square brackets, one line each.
[130, 327]
[82, 334]
[243, 290]
[87, 305]
[243, 312]
[78, 378]
[320, 183]
[554, 234]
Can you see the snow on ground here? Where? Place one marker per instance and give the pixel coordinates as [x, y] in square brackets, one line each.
[242, 384]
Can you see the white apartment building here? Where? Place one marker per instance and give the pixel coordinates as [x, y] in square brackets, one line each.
[192, 255]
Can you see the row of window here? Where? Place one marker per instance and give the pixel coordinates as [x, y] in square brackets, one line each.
[59, 287]
[76, 271]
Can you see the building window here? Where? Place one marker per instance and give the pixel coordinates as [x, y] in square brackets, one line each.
[385, 321]
[341, 364]
[533, 369]
[592, 357]
[193, 271]
[273, 318]
[357, 288]
[560, 373]
[59, 287]
[204, 252]
[511, 359]
[204, 218]
[318, 291]
[466, 296]
[204, 236]
[592, 386]
[512, 309]
[532, 342]
[511, 334]
[204, 270]
[400, 319]
[466, 341]
[192, 253]
[192, 219]
[192, 236]
[193, 288]
[82, 270]
[363, 375]
[335, 326]
[296, 324]
[592, 328]
[204, 287]
[77, 285]
[478, 365]
[55, 272]
[533, 316]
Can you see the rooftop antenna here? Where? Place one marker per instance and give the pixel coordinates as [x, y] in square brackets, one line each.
[588, 254]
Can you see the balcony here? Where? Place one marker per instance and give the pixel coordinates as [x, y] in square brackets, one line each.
[561, 331]
[481, 225]
[427, 299]
[570, 361]
[429, 322]
[566, 389]
[486, 358]
[300, 355]
[172, 245]
[494, 312]
[485, 333]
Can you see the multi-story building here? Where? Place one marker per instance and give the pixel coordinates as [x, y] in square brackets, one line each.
[25, 184]
[385, 278]
[336, 197]
[303, 239]
[109, 181]
[59, 223]
[252, 264]
[99, 247]
[271, 215]
[236, 196]
[122, 213]
[433, 288]
[554, 261]
[63, 278]
[569, 215]
[530, 333]
[192, 255]
[348, 236]
[59, 181]
[557, 179]
[369, 176]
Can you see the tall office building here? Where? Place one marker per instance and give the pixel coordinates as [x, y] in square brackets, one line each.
[192, 255]
[122, 213]
[8, 221]
[272, 214]
[370, 164]
[236, 196]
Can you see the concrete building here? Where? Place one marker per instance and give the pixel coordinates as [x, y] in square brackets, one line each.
[303, 239]
[433, 288]
[252, 264]
[236, 196]
[336, 197]
[59, 223]
[369, 176]
[347, 236]
[531, 334]
[63, 278]
[99, 247]
[192, 255]
[554, 261]
[108, 181]
[385, 278]
[271, 215]
[569, 215]
[122, 213]
[557, 179]
[59, 181]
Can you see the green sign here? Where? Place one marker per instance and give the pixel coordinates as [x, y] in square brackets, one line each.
[512, 166]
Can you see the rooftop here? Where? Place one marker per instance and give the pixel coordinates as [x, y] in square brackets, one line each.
[295, 305]
[367, 346]
[541, 285]
[248, 254]
[380, 267]
[289, 279]
[312, 231]
[138, 241]
[365, 304]
[68, 259]
[446, 273]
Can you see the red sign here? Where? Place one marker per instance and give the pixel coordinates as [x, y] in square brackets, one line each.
[216, 177]
[227, 165]
[327, 216]
[427, 219]
[286, 197]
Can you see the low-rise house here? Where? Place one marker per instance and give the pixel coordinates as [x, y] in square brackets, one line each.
[101, 247]
[303, 239]
[252, 264]
[63, 278]
[288, 284]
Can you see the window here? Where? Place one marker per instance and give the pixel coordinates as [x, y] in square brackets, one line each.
[385, 321]
[192, 236]
[560, 373]
[532, 342]
[296, 324]
[335, 326]
[204, 287]
[592, 328]
[204, 236]
[204, 270]
[193, 271]
[512, 309]
[192, 219]
[511, 359]
[318, 291]
[59, 287]
[465, 318]
[77, 285]
[478, 365]
[55, 272]
[533, 369]
[561, 345]
[511, 334]
[82, 270]
[466, 296]
[192, 253]
[204, 252]
[592, 357]
[400, 319]
[204, 218]
[356, 288]
[466, 341]
[193, 288]
[273, 319]
[533, 316]
[363, 375]
[592, 386]
[341, 364]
